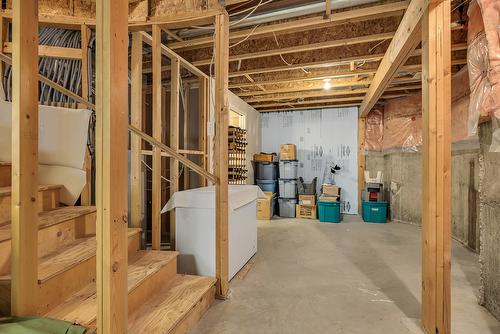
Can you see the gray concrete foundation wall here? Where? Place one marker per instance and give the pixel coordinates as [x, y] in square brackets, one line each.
[403, 188]
[489, 202]
[475, 201]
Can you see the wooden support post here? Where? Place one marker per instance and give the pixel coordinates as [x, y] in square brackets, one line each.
[174, 137]
[436, 198]
[221, 152]
[186, 92]
[157, 128]
[203, 103]
[135, 141]
[328, 9]
[86, 196]
[24, 219]
[111, 164]
[361, 159]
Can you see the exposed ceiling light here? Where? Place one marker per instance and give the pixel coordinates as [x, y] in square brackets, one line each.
[326, 84]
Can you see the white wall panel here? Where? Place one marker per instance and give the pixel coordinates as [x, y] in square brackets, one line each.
[323, 137]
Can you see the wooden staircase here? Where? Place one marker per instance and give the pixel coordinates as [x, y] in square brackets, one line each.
[159, 299]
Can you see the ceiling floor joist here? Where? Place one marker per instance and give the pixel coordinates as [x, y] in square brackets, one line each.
[301, 24]
[406, 39]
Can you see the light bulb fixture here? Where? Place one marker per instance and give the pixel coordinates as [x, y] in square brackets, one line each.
[326, 84]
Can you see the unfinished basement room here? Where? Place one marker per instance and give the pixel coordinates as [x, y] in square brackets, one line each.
[250, 167]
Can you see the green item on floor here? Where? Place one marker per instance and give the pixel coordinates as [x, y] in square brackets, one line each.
[38, 325]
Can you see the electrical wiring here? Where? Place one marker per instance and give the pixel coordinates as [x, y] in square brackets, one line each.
[246, 37]
[250, 8]
[261, 3]
[282, 58]
[151, 169]
[378, 44]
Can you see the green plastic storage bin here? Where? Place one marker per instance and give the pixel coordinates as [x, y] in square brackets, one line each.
[329, 212]
[374, 212]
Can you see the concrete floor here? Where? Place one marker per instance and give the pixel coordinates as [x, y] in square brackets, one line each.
[356, 278]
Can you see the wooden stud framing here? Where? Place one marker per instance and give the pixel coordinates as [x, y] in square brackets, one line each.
[361, 159]
[436, 190]
[174, 138]
[111, 164]
[328, 9]
[86, 196]
[186, 115]
[405, 40]
[203, 103]
[221, 152]
[135, 141]
[157, 133]
[24, 219]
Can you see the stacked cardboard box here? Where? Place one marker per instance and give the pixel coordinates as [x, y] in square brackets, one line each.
[330, 193]
[288, 152]
[265, 207]
[306, 207]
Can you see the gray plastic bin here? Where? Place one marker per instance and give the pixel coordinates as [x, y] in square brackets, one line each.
[288, 188]
[266, 170]
[288, 169]
[287, 207]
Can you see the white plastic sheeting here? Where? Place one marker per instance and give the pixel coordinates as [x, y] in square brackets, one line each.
[324, 137]
[63, 134]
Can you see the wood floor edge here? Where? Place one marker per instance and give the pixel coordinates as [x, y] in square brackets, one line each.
[193, 316]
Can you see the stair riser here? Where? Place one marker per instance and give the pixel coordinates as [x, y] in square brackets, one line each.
[5, 175]
[47, 200]
[56, 290]
[52, 238]
[134, 244]
[150, 286]
[194, 315]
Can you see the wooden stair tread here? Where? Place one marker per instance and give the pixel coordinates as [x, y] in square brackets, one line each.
[81, 308]
[65, 258]
[7, 191]
[146, 263]
[51, 218]
[170, 305]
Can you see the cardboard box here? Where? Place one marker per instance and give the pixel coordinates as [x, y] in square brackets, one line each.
[324, 198]
[307, 199]
[265, 157]
[330, 190]
[265, 207]
[288, 152]
[305, 211]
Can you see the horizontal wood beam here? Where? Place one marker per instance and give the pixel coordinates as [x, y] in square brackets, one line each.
[349, 82]
[304, 48]
[301, 24]
[354, 104]
[323, 101]
[406, 39]
[331, 75]
[324, 93]
[330, 62]
[50, 51]
[185, 152]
